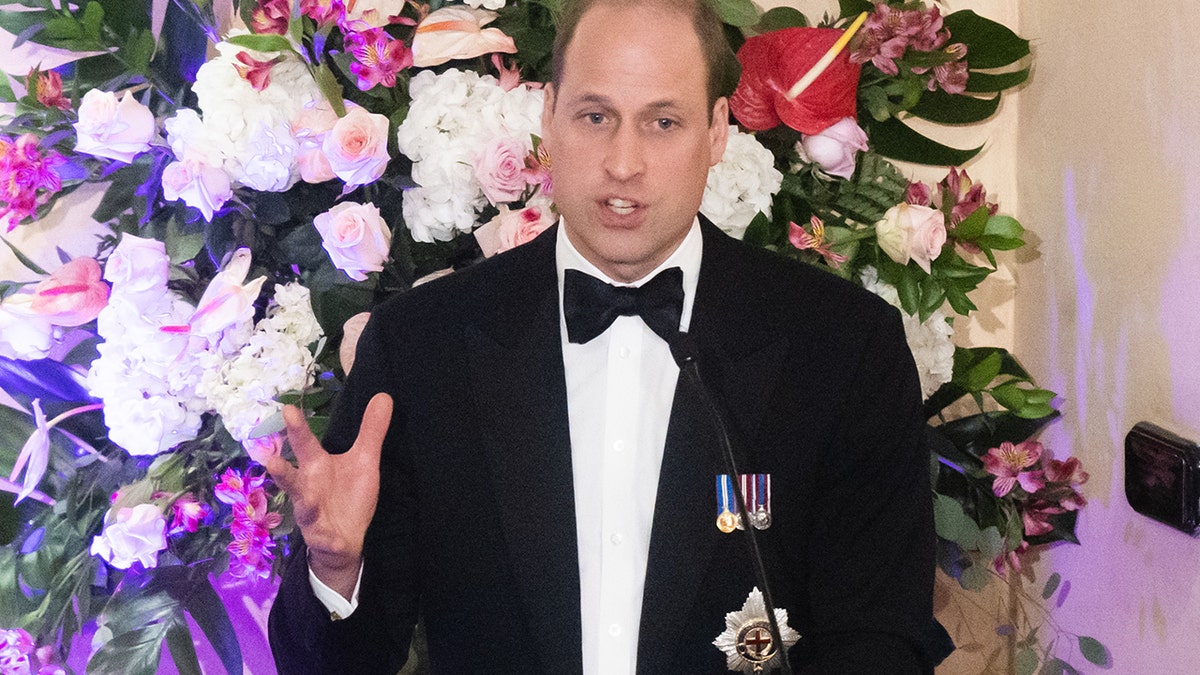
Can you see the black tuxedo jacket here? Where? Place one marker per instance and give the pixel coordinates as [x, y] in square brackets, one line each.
[475, 529]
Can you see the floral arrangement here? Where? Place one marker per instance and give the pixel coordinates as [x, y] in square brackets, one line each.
[326, 155]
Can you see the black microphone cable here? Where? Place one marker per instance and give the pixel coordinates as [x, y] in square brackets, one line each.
[686, 355]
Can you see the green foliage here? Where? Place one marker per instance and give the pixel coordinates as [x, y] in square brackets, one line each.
[778, 18]
[1051, 585]
[895, 139]
[1095, 652]
[740, 13]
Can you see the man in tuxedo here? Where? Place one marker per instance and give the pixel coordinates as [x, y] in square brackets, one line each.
[540, 487]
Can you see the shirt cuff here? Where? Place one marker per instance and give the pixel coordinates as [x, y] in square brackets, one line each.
[339, 608]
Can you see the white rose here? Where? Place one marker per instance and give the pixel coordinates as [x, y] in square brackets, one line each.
[138, 266]
[132, 535]
[112, 129]
[23, 334]
[201, 186]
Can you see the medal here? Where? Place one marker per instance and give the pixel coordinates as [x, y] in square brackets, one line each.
[747, 641]
[760, 518]
[727, 521]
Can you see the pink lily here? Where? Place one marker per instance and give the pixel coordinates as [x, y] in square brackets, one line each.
[35, 454]
[254, 71]
[1008, 463]
[815, 241]
[379, 57]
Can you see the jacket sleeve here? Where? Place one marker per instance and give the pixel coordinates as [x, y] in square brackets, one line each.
[873, 547]
[375, 638]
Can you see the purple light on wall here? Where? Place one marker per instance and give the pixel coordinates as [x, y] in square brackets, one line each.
[1179, 309]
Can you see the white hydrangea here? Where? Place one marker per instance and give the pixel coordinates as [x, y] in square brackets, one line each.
[241, 381]
[741, 185]
[249, 129]
[452, 115]
[929, 341]
[147, 376]
[486, 4]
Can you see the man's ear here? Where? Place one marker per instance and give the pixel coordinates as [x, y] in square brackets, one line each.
[718, 130]
[548, 102]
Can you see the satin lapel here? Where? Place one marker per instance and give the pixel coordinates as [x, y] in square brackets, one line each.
[739, 359]
[517, 371]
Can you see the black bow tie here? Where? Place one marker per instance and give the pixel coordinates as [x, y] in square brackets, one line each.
[590, 305]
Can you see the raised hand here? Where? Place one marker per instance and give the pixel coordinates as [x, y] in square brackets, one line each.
[334, 496]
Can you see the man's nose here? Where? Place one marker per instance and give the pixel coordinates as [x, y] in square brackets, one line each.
[625, 158]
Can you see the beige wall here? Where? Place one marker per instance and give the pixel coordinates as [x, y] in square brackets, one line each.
[1099, 158]
[1108, 310]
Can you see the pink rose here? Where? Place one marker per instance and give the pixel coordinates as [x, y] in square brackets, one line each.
[457, 32]
[132, 535]
[356, 238]
[73, 295]
[138, 270]
[309, 128]
[912, 232]
[203, 187]
[114, 130]
[500, 169]
[834, 148]
[356, 147]
[513, 228]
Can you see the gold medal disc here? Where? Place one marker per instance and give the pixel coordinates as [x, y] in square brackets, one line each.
[727, 522]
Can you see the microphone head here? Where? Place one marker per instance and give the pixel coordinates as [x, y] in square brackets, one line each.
[684, 349]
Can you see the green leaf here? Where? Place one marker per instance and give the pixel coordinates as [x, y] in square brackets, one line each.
[328, 83]
[971, 228]
[987, 83]
[1094, 651]
[976, 434]
[183, 652]
[854, 7]
[991, 544]
[1051, 585]
[954, 524]
[982, 373]
[1025, 661]
[263, 43]
[20, 22]
[121, 192]
[138, 51]
[989, 44]
[892, 138]
[1002, 233]
[206, 608]
[6, 92]
[938, 106]
[740, 13]
[779, 18]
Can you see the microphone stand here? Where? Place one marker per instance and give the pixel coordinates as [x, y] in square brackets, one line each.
[686, 355]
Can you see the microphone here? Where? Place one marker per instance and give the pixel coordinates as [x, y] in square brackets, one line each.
[687, 356]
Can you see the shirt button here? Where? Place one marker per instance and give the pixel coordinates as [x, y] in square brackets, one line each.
[619, 446]
[616, 538]
[614, 630]
[623, 352]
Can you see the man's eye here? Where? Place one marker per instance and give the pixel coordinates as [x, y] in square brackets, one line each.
[666, 124]
[595, 118]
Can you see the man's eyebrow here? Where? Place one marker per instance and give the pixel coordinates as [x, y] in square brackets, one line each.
[606, 102]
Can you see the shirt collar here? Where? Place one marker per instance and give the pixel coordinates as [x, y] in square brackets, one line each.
[686, 257]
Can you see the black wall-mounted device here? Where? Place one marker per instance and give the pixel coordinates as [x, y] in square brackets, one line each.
[1162, 476]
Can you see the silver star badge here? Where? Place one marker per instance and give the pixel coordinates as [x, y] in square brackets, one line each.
[747, 640]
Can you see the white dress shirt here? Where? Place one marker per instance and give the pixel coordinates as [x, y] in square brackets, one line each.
[620, 387]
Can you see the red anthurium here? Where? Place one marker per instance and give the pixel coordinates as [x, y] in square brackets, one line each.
[773, 62]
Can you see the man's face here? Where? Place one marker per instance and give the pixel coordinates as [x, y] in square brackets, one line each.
[629, 136]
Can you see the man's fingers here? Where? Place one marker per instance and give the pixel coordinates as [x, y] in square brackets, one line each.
[376, 420]
[281, 472]
[304, 443]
